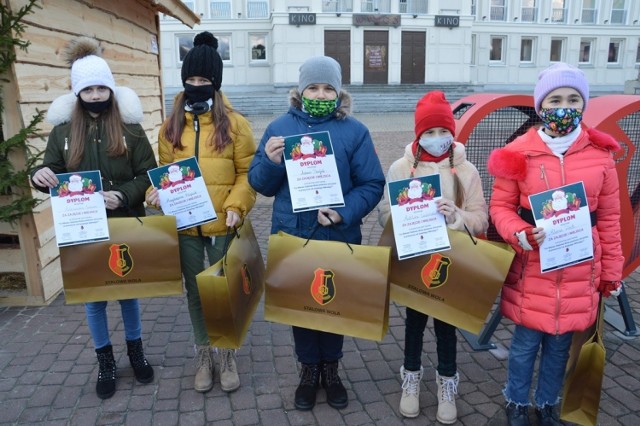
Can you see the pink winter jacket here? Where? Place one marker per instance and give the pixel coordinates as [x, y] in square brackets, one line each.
[566, 299]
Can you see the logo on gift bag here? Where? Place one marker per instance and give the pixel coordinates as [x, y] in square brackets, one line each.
[323, 288]
[246, 279]
[120, 260]
[435, 272]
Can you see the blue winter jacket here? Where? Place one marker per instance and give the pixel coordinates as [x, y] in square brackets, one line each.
[358, 165]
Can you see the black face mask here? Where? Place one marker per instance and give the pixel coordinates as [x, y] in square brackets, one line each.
[96, 107]
[195, 94]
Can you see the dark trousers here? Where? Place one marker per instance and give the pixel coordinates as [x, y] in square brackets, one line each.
[314, 347]
[446, 343]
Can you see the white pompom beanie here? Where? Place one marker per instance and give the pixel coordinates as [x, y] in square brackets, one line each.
[91, 70]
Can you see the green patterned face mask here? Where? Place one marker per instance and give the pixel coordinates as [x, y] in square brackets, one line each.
[319, 107]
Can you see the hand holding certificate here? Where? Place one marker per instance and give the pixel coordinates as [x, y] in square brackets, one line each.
[79, 214]
[183, 193]
[418, 227]
[563, 212]
[312, 172]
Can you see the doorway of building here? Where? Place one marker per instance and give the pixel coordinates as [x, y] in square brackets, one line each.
[413, 57]
[376, 58]
[337, 44]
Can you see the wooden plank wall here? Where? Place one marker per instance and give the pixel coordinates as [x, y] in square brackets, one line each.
[128, 32]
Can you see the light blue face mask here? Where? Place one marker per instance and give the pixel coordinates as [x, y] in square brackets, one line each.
[436, 145]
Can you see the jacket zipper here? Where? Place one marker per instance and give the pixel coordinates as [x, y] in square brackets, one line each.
[196, 128]
[543, 175]
[562, 169]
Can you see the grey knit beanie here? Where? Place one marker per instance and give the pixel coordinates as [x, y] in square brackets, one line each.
[320, 69]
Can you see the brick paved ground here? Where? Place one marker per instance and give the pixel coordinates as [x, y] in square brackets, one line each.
[48, 367]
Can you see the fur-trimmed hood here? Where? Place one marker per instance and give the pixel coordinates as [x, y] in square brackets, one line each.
[344, 102]
[511, 161]
[128, 102]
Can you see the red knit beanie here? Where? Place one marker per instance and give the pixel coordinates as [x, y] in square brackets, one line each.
[433, 110]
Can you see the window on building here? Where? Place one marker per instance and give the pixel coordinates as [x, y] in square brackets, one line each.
[224, 46]
[558, 11]
[258, 9]
[496, 52]
[589, 12]
[586, 47]
[615, 47]
[185, 43]
[638, 53]
[529, 11]
[258, 43]
[382, 6]
[220, 9]
[498, 10]
[619, 12]
[413, 6]
[526, 49]
[337, 6]
[474, 8]
[557, 47]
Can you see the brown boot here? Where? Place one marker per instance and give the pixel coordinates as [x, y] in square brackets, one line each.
[229, 379]
[203, 381]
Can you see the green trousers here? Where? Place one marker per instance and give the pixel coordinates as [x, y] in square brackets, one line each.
[192, 257]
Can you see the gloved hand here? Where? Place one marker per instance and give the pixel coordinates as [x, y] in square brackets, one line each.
[526, 239]
[610, 288]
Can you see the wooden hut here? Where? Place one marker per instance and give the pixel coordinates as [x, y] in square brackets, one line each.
[129, 33]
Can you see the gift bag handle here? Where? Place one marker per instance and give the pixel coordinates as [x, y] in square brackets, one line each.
[131, 211]
[315, 228]
[232, 232]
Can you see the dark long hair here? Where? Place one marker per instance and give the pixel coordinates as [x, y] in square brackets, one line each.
[81, 121]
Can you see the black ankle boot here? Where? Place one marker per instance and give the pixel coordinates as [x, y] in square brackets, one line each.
[336, 393]
[518, 415]
[308, 387]
[106, 385]
[141, 368]
[548, 416]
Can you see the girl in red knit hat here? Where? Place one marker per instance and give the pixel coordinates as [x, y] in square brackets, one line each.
[435, 151]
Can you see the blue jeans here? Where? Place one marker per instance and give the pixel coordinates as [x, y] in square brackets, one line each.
[99, 327]
[522, 357]
[314, 347]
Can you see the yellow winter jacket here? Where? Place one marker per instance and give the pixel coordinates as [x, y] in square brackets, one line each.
[225, 173]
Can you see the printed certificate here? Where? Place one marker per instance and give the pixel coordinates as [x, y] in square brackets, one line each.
[563, 212]
[183, 193]
[79, 215]
[312, 172]
[418, 227]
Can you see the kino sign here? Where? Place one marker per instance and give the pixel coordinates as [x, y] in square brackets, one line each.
[447, 21]
[302, 19]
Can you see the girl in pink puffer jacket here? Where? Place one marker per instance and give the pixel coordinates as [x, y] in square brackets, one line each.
[548, 307]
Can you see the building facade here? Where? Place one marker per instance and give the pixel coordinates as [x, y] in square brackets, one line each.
[497, 45]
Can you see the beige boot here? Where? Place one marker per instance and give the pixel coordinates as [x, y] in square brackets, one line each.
[229, 380]
[410, 400]
[204, 365]
[447, 391]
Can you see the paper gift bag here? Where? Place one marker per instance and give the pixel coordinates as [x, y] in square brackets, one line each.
[458, 286]
[230, 290]
[585, 371]
[328, 286]
[140, 259]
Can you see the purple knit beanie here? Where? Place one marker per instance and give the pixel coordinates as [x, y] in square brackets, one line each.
[560, 75]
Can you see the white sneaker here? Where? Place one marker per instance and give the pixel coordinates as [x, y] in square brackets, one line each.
[447, 391]
[229, 379]
[410, 401]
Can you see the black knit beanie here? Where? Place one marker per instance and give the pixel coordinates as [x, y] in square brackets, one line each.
[203, 60]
